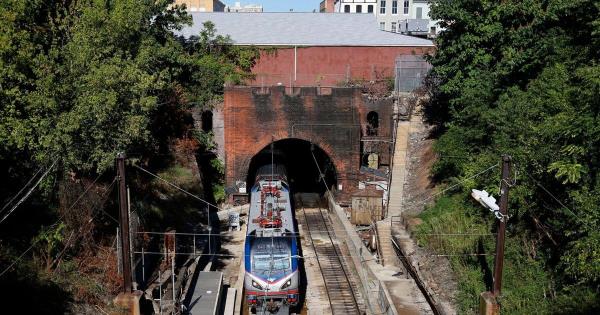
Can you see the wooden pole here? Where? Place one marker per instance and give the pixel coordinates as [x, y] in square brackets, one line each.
[124, 224]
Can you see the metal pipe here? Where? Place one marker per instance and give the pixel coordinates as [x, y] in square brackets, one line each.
[173, 277]
[143, 266]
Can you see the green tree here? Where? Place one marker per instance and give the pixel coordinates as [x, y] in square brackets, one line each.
[85, 79]
[522, 78]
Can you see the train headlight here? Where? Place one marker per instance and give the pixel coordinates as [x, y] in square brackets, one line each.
[286, 284]
[256, 285]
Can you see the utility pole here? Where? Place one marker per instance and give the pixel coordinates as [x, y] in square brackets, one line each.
[124, 224]
[489, 300]
[504, 188]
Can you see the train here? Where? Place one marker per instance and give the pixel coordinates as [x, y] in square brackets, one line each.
[271, 279]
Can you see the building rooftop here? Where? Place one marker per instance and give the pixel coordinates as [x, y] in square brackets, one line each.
[301, 29]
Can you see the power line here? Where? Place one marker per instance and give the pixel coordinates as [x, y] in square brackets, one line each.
[305, 257]
[20, 191]
[79, 235]
[176, 187]
[321, 175]
[59, 219]
[551, 195]
[422, 202]
[297, 234]
[29, 192]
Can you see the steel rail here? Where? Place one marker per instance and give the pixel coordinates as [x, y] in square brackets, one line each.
[335, 302]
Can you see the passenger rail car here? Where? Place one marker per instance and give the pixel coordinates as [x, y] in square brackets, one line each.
[271, 279]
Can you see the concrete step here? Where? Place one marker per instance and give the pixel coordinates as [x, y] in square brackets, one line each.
[385, 241]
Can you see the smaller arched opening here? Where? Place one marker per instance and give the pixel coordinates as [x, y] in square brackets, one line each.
[372, 123]
[207, 121]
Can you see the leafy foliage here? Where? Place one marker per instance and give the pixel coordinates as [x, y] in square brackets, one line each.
[86, 79]
[523, 78]
[83, 80]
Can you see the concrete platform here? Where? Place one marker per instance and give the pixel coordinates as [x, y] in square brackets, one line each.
[206, 297]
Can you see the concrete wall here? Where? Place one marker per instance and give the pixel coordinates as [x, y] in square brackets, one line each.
[377, 295]
[327, 66]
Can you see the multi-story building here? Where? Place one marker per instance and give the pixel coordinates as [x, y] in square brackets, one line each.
[237, 7]
[418, 22]
[355, 6]
[202, 5]
[409, 17]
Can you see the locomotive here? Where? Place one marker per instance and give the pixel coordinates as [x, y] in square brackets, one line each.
[271, 279]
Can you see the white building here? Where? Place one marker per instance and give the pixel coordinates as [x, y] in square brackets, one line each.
[355, 6]
[237, 7]
[409, 17]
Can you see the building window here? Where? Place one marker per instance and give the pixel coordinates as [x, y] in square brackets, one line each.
[207, 121]
[382, 26]
[419, 13]
[359, 8]
[393, 27]
[382, 7]
[406, 4]
[347, 8]
[370, 9]
[432, 30]
[395, 7]
[372, 123]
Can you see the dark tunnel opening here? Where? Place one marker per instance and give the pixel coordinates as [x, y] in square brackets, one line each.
[297, 156]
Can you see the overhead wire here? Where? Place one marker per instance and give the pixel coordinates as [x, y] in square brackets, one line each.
[23, 188]
[461, 182]
[55, 223]
[79, 235]
[551, 195]
[295, 235]
[321, 175]
[176, 187]
[304, 257]
[28, 192]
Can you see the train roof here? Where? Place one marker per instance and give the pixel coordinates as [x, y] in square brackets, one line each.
[276, 170]
[283, 201]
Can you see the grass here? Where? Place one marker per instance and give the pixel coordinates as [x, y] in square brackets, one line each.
[527, 286]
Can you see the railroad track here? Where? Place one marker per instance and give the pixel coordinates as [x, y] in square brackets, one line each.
[339, 286]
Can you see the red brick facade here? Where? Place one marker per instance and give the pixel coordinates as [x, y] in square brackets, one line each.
[327, 66]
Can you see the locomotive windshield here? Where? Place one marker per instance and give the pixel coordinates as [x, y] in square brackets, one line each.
[271, 256]
[274, 262]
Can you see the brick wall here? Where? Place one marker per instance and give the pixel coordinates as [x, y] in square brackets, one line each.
[327, 66]
[332, 118]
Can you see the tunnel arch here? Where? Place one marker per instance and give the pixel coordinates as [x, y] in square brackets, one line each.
[295, 154]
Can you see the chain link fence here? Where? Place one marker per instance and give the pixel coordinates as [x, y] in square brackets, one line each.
[411, 70]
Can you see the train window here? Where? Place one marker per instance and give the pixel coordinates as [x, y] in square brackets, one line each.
[281, 262]
[271, 262]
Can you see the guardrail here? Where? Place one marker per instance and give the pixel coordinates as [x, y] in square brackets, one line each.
[396, 219]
